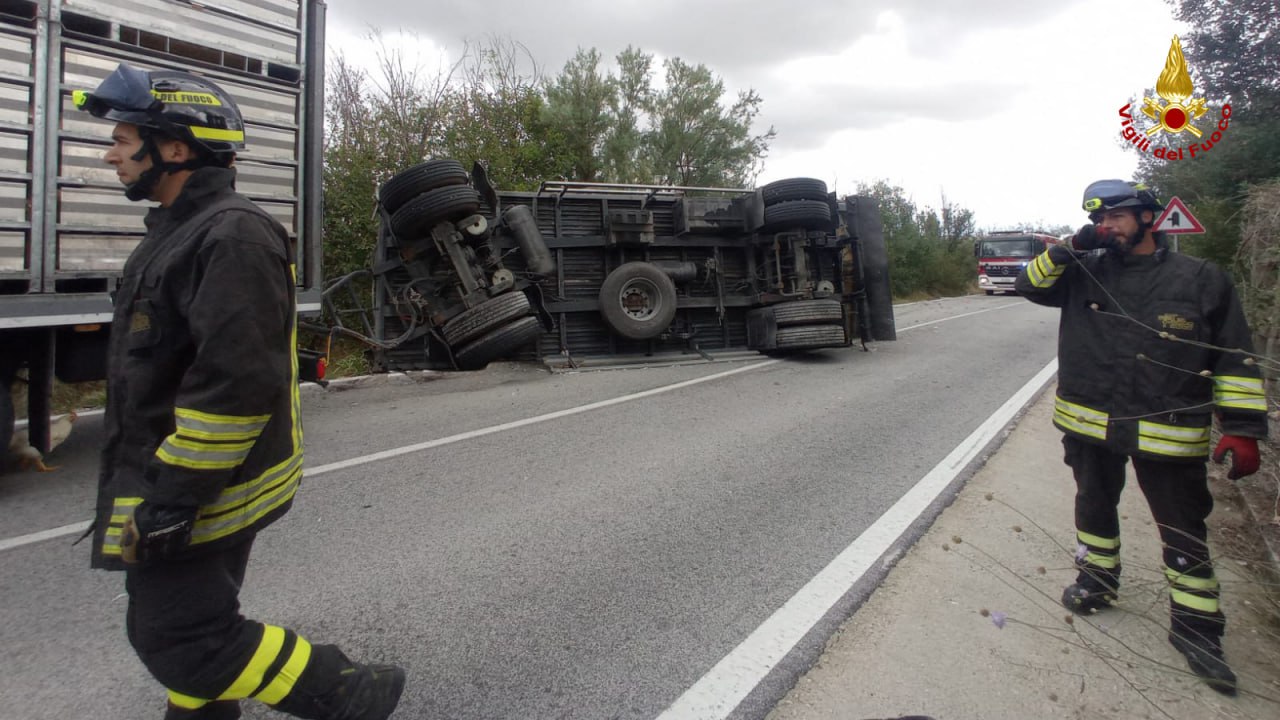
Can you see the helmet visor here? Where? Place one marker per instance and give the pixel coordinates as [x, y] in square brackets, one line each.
[1107, 193]
[126, 89]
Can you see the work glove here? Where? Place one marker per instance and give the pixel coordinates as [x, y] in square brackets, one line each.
[156, 532]
[1092, 237]
[1244, 455]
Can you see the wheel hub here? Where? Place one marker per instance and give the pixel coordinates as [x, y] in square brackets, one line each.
[640, 300]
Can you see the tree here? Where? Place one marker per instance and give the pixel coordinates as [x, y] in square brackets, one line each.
[1233, 52]
[498, 116]
[621, 155]
[577, 103]
[617, 128]
[926, 253]
[1234, 47]
[693, 140]
[956, 224]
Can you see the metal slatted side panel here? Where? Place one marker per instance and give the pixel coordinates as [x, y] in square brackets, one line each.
[583, 270]
[200, 25]
[17, 79]
[664, 225]
[581, 218]
[96, 228]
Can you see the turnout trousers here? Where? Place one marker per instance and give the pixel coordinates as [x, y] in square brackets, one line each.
[184, 622]
[1179, 498]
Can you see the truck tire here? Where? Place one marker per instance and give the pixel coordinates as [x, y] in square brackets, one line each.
[793, 189]
[496, 343]
[447, 204]
[808, 312]
[638, 300]
[810, 336]
[807, 214]
[484, 317]
[420, 178]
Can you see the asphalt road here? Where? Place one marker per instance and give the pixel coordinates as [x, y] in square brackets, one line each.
[583, 564]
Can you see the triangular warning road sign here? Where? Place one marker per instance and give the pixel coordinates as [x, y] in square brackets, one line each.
[1176, 218]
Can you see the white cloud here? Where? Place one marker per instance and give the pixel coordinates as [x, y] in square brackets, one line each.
[1009, 107]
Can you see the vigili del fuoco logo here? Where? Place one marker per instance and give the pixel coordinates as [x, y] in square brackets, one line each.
[1172, 113]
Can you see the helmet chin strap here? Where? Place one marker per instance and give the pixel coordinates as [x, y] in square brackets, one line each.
[148, 180]
[142, 188]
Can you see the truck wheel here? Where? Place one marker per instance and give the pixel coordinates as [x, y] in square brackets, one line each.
[638, 300]
[447, 204]
[418, 179]
[810, 336]
[497, 343]
[808, 312]
[990, 293]
[794, 189]
[485, 317]
[807, 214]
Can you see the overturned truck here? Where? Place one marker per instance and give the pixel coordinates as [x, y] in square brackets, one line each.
[576, 273]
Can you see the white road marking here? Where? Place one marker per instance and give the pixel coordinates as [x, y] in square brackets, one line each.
[418, 447]
[36, 537]
[719, 692]
[20, 424]
[21, 540]
[962, 315]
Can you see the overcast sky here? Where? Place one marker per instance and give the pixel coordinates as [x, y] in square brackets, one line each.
[1009, 107]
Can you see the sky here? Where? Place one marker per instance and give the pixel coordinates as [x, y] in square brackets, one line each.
[1006, 107]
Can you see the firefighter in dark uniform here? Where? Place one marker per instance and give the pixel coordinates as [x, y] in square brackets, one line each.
[1151, 345]
[204, 439]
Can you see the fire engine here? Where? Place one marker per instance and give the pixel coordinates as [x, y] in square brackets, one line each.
[1002, 255]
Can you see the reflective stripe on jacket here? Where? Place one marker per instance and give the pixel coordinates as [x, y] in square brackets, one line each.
[202, 394]
[1140, 369]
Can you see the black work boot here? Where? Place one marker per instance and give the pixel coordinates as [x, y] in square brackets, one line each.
[217, 710]
[334, 688]
[1083, 600]
[1204, 657]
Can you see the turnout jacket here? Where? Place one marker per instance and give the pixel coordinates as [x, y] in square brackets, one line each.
[1136, 369]
[202, 390]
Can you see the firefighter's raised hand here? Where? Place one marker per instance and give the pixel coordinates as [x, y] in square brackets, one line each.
[1244, 455]
[1092, 237]
[156, 532]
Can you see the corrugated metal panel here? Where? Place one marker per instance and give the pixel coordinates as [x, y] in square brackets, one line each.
[283, 212]
[259, 180]
[276, 12]
[194, 24]
[83, 163]
[583, 271]
[16, 52]
[95, 253]
[15, 106]
[14, 151]
[13, 202]
[13, 251]
[100, 209]
[664, 224]
[581, 218]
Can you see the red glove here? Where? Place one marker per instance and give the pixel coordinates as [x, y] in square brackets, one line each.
[1244, 455]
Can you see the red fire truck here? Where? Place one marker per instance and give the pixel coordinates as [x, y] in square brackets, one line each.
[1002, 255]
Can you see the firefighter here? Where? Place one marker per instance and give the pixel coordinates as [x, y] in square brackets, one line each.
[1151, 345]
[203, 436]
